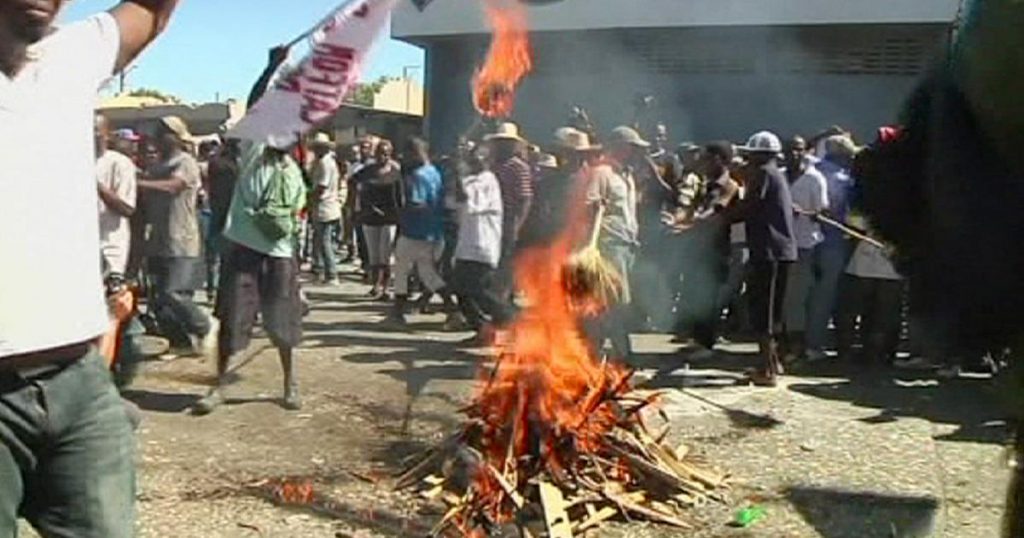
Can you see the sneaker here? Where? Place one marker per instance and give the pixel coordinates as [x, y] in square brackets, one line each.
[332, 281]
[213, 400]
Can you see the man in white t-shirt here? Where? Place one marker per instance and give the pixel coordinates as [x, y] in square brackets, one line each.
[66, 447]
[478, 249]
[809, 190]
[117, 188]
[327, 217]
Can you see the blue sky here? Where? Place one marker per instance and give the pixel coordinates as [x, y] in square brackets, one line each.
[220, 46]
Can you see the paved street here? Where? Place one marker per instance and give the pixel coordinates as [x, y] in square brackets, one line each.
[826, 456]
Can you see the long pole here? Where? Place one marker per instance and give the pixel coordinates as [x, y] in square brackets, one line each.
[322, 22]
[851, 232]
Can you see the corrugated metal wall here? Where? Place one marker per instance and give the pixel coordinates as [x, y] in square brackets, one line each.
[708, 82]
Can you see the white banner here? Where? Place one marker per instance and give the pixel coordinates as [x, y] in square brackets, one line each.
[305, 95]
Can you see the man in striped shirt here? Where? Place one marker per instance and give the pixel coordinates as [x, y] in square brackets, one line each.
[516, 181]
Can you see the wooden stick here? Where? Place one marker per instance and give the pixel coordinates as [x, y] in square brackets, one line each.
[851, 232]
[595, 234]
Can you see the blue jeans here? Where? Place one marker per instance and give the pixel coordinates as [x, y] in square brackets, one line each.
[614, 324]
[324, 257]
[66, 452]
[831, 259]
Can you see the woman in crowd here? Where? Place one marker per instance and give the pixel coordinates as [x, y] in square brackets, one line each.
[380, 198]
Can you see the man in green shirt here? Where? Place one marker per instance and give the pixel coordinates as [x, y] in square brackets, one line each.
[260, 272]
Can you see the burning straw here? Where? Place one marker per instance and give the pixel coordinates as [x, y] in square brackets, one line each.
[555, 439]
[508, 61]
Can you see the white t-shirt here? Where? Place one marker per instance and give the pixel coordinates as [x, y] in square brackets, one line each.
[326, 174]
[51, 290]
[480, 220]
[117, 172]
[810, 192]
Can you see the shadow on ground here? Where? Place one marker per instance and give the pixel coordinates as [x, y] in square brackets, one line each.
[848, 514]
[972, 405]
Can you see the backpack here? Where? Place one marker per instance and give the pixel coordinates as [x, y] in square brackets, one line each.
[275, 215]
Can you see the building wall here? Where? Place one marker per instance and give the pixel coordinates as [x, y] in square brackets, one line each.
[708, 83]
[454, 17]
[404, 96]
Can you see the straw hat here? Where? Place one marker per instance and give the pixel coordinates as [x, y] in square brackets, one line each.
[627, 135]
[546, 160]
[505, 131]
[321, 139]
[177, 126]
[574, 139]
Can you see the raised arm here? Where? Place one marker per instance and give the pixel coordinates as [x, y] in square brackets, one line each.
[140, 22]
[277, 57]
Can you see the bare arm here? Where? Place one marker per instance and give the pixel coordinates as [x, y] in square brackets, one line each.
[277, 57]
[173, 185]
[114, 202]
[140, 22]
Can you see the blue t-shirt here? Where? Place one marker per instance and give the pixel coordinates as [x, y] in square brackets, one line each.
[422, 218]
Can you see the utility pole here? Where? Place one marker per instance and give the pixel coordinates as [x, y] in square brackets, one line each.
[408, 84]
[123, 78]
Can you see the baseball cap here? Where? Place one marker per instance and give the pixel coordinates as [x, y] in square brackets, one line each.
[763, 142]
[127, 134]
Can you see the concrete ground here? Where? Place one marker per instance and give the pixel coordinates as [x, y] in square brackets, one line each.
[834, 452]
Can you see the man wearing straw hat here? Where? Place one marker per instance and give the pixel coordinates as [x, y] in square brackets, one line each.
[560, 171]
[613, 187]
[174, 246]
[326, 179]
[513, 172]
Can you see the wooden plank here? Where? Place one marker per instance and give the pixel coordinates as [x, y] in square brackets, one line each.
[558, 523]
[595, 519]
[651, 514]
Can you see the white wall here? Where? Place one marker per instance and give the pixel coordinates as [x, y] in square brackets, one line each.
[447, 17]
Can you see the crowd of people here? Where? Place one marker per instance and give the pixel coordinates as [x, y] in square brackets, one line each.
[714, 241]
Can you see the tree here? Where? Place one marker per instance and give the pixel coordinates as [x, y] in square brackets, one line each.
[362, 94]
[155, 94]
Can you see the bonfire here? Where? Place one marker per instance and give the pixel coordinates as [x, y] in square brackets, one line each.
[556, 441]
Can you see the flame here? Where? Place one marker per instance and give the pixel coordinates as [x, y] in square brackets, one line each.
[508, 60]
[546, 398]
[301, 492]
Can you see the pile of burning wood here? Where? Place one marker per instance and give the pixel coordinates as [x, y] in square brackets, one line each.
[569, 487]
[556, 440]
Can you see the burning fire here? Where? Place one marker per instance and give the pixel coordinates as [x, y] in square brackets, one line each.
[547, 399]
[508, 60]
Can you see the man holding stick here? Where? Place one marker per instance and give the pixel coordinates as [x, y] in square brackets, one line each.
[66, 449]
